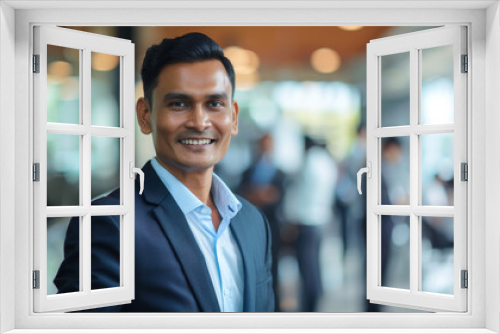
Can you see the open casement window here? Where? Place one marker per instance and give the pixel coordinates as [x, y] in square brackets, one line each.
[416, 189]
[83, 147]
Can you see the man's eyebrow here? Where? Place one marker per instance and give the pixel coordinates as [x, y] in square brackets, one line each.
[173, 96]
[221, 96]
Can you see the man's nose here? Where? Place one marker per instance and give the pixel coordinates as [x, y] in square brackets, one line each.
[199, 118]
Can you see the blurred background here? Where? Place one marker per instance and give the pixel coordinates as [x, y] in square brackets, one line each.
[301, 141]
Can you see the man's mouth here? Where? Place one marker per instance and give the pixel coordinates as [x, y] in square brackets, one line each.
[196, 141]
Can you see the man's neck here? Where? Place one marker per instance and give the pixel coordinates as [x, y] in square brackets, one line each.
[198, 181]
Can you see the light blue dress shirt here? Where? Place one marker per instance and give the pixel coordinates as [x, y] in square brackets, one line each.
[221, 252]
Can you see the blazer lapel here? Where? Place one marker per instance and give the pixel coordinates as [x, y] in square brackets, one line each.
[176, 229]
[242, 235]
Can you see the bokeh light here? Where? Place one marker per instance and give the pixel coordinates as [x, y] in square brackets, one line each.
[325, 60]
[351, 28]
[104, 62]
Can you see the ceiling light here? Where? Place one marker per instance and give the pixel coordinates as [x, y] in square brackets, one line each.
[351, 28]
[325, 60]
[244, 61]
[104, 62]
[60, 69]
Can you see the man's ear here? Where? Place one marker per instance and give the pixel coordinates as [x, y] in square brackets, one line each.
[235, 111]
[143, 115]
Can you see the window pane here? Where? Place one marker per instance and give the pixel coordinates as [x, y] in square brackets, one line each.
[63, 85]
[395, 170]
[437, 85]
[395, 251]
[105, 165]
[69, 278]
[105, 90]
[437, 254]
[105, 262]
[437, 169]
[63, 169]
[395, 85]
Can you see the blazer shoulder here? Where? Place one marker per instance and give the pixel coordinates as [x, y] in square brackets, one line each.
[112, 198]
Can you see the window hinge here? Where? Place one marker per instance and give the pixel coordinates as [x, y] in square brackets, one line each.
[464, 171]
[465, 279]
[36, 279]
[36, 172]
[465, 64]
[36, 63]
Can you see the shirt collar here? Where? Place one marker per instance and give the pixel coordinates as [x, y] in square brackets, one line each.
[184, 198]
[224, 199]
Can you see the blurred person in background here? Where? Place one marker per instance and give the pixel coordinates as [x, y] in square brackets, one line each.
[355, 222]
[263, 184]
[198, 247]
[352, 206]
[391, 153]
[309, 204]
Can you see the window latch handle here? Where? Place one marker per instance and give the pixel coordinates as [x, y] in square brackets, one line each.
[135, 170]
[368, 171]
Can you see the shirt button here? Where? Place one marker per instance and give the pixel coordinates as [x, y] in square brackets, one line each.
[205, 211]
[226, 292]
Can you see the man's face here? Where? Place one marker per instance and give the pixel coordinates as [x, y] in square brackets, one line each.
[192, 117]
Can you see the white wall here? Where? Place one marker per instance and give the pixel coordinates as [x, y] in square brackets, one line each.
[7, 159]
[492, 163]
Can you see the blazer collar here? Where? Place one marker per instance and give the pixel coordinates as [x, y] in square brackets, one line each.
[154, 190]
[176, 229]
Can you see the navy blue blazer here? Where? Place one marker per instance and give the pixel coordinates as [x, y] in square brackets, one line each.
[170, 270]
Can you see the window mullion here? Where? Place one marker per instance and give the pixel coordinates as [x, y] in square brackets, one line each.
[85, 165]
[414, 170]
[429, 129]
[86, 138]
[85, 254]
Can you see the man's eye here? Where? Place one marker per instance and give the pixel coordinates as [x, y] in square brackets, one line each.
[177, 104]
[215, 104]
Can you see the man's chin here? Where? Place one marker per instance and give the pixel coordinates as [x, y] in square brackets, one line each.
[187, 165]
[197, 166]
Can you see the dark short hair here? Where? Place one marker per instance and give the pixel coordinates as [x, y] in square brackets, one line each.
[189, 48]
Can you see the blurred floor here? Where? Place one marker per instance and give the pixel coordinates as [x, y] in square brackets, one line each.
[342, 280]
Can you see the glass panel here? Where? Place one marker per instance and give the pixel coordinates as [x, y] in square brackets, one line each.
[437, 169]
[63, 85]
[105, 263]
[395, 250]
[105, 90]
[395, 91]
[105, 165]
[437, 254]
[437, 85]
[63, 169]
[395, 171]
[68, 276]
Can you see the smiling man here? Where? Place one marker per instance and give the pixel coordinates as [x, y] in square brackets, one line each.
[198, 247]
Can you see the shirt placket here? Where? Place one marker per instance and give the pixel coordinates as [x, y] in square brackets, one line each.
[222, 267]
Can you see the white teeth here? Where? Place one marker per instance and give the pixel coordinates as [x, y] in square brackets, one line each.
[195, 141]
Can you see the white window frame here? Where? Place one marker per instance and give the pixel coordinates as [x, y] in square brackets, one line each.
[413, 44]
[16, 21]
[85, 43]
